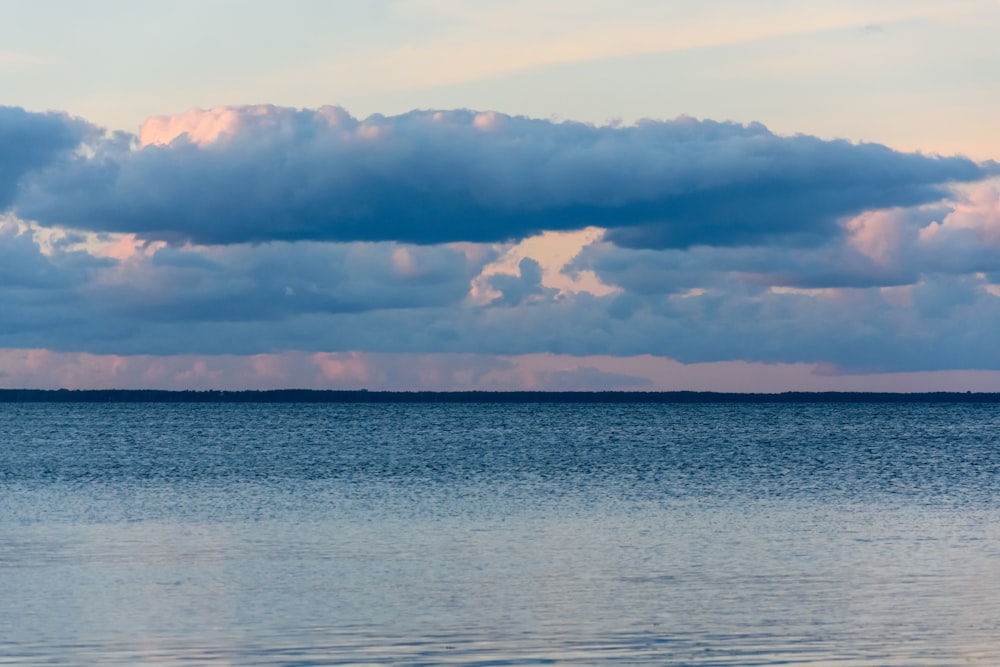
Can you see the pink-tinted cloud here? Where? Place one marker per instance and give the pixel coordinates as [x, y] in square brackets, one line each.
[978, 215]
[44, 369]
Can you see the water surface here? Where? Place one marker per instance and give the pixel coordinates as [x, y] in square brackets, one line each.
[728, 534]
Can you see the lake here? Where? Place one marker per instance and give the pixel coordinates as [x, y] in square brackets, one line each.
[811, 534]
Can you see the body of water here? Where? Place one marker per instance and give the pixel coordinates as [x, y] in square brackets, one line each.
[727, 534]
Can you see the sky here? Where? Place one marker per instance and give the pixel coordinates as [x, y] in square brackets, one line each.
[473, 194]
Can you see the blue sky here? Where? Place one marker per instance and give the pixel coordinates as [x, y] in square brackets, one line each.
[437, 194]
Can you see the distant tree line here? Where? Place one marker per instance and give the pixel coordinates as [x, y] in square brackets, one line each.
[365, 396]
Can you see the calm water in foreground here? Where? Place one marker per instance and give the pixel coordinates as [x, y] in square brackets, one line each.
[835, 535]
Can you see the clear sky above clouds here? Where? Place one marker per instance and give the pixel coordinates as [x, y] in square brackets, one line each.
[440, 194]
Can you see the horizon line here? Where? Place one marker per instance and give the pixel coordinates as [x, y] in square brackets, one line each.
[293, 395]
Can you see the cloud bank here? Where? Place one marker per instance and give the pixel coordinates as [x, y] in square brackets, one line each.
[263, 236]
[258, 174]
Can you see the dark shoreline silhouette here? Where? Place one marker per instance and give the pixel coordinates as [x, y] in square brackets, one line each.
[365, 396]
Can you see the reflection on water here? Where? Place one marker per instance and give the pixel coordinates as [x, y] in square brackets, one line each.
[500, 535]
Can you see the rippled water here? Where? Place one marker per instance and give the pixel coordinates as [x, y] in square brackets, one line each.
[816, 534]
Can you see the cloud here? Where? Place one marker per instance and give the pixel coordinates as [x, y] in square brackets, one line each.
[881, 248]
[940, 324]
[584, 378]
[160, 286]
[259, 174]
[34, 141]
[25, 266]
[388, 298]
[278, 280]
[517, 289]
[44, 369]
[247, 233]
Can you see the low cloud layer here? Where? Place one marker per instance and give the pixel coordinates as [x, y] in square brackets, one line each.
[258, 174]
[43, 369]
[400, 299]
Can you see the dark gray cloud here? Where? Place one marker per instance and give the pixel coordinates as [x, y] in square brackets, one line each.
[24, 266]
[878, 249]
[431, 177]
[942, 322]
[674, 271]
[519, 288]
[276, 281]
[239, 298]
[246, 300]
[30, 141]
